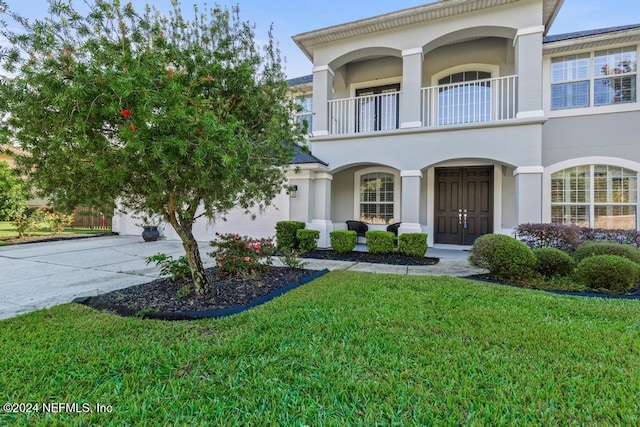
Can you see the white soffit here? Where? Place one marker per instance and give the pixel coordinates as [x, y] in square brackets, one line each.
[415, 15]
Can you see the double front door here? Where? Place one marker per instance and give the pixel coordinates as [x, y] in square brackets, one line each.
[463, 204]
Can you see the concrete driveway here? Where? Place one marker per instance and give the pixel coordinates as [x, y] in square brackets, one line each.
[40, 275]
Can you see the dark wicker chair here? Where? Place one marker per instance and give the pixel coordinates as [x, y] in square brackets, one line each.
[359, 227]
[394, 228]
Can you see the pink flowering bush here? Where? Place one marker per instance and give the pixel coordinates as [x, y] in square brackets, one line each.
[241, 255]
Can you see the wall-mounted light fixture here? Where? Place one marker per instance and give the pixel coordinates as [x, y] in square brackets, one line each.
[292, 191]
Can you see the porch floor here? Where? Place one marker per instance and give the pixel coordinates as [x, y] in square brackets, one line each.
[458, 253]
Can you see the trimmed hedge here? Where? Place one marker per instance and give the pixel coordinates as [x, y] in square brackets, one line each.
[568, 237]
[559, 236]
[308, 239]
[286, 235]
[505, 257]
[611, 272]
[553, 262]
[380, 242]
[592, 247]
[343, 241]
[413, 244]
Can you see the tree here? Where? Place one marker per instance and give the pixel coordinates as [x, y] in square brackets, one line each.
[13, 194]
[172, 117]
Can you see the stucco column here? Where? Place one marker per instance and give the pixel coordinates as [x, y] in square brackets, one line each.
[410, 102]
[528, 47]
[322, 94]
[410, 214]
[322, 208]
[528, 194]
[301, 201]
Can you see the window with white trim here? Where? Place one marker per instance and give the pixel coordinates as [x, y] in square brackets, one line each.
[306, 115]
[598, 78]
[464, 97]
[596, 196]
[377, 198]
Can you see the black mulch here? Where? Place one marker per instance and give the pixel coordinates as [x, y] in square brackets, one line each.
[165, 299]
[594, 293]
[395, 259]
[54, 238]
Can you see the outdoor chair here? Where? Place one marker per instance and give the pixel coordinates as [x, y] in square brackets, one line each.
[359, 227]
[394, 228]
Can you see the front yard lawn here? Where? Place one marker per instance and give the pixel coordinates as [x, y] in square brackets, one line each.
[349, 348]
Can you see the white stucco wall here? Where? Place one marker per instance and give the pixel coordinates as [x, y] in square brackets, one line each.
[204, 230]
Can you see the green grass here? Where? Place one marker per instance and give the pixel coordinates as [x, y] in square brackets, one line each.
[7, 229]
[347, 349]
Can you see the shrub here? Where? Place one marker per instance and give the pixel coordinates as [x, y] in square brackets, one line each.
[343, 241]
[286, 234]
[413, 244]
[308, 239]
[505, 257]
[380, 242]
[241, 255]
[568, 237]
[174, 269]
[590, 248]
[25, 226]
[611, 272]
[58, 221]
[561, 283]
[553, 262]
[13, 194]
[628, 237]
[30, 221]
[559, 236]
[291, 258]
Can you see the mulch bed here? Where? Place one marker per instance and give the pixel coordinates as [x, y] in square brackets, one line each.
[394, 259]
[594, 293]
[50, 238]
[164, 299]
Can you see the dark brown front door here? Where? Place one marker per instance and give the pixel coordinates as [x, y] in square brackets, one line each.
[464, 204]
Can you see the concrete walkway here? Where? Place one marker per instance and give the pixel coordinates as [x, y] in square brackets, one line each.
[40, 275]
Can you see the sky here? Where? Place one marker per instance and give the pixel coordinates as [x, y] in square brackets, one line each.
[291, 17]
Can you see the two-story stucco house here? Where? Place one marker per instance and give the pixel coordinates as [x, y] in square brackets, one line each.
[463, 117]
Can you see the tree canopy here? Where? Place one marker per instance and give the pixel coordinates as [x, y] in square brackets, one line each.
[172, 116]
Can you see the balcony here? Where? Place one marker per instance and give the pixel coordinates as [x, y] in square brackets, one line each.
[371, 113]
[478, 101]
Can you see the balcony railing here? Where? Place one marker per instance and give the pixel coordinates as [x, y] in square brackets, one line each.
[478, 101]
[369, 113]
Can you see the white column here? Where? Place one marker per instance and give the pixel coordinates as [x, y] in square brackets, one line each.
[322, 208]
[528, 194]
[528, 44]
[410, 100]
[410, 214]
[301, 201]
[322, 94]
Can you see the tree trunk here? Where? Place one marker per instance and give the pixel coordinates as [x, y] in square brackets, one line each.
[195, 262]
[192, 252]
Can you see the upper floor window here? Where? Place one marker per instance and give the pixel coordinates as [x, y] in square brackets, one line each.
[593, 79]
[377, 108]
[464, 97]
[306, 102]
